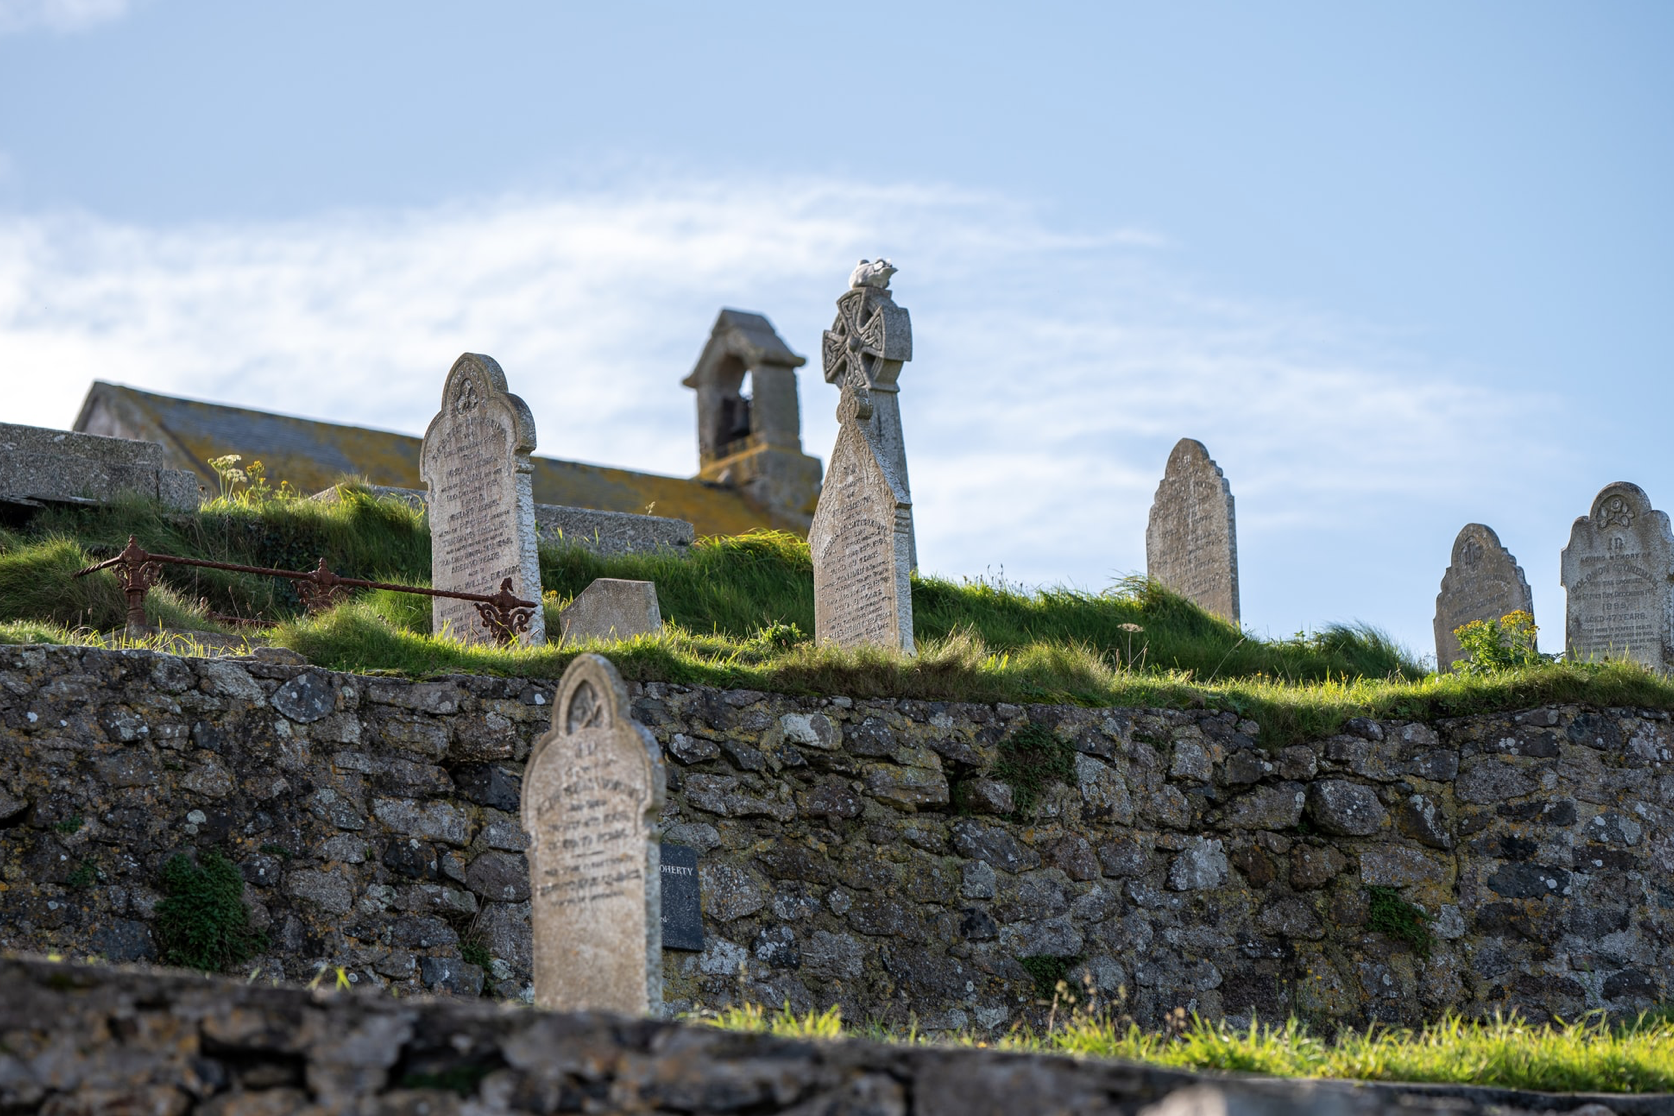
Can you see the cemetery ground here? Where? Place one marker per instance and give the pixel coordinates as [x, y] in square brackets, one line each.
[739, 613]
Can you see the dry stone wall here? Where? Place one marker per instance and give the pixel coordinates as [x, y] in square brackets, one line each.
[80, 1039]
[860, 852]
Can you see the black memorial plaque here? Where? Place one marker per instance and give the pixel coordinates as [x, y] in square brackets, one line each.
[682, 911]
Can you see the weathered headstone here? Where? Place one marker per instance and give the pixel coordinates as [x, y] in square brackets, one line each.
[1618, 579]
[592, 792]
[475, 463]
[862, 535]
[682, 903]
[612, 608]
[1484, 582]
[1191, 542]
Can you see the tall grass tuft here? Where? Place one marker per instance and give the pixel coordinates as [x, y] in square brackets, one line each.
[1504, 1051]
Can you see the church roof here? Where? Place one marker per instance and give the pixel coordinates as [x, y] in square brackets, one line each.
[315, 455]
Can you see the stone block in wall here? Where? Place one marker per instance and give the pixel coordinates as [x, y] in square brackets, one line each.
[40, 466]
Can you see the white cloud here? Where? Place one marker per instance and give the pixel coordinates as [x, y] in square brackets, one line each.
[63, 16]
[1052, 370]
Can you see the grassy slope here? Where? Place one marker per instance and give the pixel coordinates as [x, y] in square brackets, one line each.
[739, 612]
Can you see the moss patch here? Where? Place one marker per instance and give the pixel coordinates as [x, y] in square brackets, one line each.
[203, 922]
[1047, 973]
[1396, 918]
[1030, 759]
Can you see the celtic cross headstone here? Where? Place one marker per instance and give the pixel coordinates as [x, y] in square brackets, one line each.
[862, 534]
[592, 793]
[475, 462]
[1618, 579]
[1483, 582]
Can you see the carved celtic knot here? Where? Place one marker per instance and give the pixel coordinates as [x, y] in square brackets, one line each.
[855, 404]
[1615, 513]
[871, 337]
[586, 710]
[465, 398]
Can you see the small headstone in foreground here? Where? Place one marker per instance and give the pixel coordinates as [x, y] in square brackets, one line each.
[475, 463]
[1191, 541]
[1484, 582]
[592, 792]
[862, 536]
[612, 608]
[682, 904]
[1616, 570]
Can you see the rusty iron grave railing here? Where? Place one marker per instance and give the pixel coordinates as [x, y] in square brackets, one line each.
[504, 614]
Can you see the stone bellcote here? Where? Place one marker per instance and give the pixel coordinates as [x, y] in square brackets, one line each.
[752, 440]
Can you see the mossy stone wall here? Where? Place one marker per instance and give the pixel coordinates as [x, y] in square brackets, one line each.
[863, 853]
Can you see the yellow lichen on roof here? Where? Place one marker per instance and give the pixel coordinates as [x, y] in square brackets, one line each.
[314, 455]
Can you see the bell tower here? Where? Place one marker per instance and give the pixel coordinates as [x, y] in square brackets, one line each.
[752, 439]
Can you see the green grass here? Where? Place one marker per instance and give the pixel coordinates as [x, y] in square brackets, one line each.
[1593, 1056]
[739, 613]
[381, 540]
[737, 587]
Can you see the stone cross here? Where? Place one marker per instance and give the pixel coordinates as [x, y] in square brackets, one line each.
[862, 534]
[1616, 573]
[592, 794]
[1484, 582]
[475, 461]
[870, 340]
[1191, 542]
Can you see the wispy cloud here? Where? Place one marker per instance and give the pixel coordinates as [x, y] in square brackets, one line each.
[1053, 368]
[63, 16]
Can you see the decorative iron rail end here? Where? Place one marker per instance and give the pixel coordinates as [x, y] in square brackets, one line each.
[504, 614]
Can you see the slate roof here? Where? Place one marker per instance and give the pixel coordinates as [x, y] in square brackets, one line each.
[314, 455]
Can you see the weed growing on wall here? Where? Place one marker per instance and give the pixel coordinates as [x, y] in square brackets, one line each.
[1047, 973]
[203, 923]
[1396, 918]
[1030, 759]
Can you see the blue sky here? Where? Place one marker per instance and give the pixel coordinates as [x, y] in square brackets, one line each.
[1400, 267]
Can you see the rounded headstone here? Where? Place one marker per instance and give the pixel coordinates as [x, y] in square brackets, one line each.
[1616, 571]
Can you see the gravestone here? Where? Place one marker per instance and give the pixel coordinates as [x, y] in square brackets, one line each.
[475, 464]
[592, 792]
[862, 535]
[1191, 541]
[612, 608]
[682, 904]
[1483, 582]
[1616, 571]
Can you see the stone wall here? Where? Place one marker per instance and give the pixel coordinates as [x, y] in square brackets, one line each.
[1182, 864]
[605, 533]
[40, 466]
[77, 1039]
